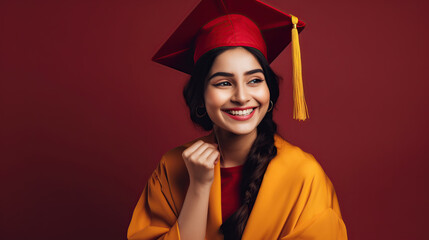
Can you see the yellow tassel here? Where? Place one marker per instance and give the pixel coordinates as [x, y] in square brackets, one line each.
[300, 111]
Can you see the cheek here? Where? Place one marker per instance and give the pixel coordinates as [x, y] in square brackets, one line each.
[263, 95]
[215, 99]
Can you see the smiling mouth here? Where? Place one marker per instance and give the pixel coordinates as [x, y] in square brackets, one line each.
[240, 112]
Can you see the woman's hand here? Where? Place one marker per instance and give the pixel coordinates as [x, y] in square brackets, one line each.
[200, 159]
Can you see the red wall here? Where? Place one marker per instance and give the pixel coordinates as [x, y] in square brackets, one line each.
[85, 115]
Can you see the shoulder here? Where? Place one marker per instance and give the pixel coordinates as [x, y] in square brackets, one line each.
[295, 161]
[303, 173]
[306, 181]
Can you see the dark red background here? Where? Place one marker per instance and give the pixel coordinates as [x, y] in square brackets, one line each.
[86, 116]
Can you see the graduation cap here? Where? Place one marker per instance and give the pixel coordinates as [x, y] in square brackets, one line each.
[220, 23]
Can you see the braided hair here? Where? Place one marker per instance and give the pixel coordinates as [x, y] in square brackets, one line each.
[262, 150]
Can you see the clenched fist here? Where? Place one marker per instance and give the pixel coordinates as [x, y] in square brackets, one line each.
[200, 159]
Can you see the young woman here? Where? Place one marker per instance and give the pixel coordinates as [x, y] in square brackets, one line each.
[242, 181]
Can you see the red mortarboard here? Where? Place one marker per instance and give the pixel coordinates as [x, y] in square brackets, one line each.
[218, 23]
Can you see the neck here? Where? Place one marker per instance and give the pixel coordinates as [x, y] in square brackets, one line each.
[234, 148]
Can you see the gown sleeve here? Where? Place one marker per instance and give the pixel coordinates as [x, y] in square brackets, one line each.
[154, 217]
[317, 211]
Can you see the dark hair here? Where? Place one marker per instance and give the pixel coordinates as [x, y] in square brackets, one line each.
[262, 150]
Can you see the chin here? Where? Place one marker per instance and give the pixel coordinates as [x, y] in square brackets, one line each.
[239, 130]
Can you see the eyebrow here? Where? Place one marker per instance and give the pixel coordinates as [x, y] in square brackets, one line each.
[226, 74]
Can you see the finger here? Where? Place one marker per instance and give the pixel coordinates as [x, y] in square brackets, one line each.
[213, 158]
[192, 148]
[197, 153]
[206, 153]
[217, 160]
[212, 145]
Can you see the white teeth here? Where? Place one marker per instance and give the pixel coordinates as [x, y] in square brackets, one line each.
[241, 112]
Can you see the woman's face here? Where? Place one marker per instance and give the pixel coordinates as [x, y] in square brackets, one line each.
[236, 96]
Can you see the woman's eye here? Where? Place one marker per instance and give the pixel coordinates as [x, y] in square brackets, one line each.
[222, 84]
[256, 80]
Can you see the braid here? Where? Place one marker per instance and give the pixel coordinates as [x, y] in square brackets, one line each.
[261, 153]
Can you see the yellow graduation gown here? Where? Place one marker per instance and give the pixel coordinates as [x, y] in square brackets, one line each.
[296, 200]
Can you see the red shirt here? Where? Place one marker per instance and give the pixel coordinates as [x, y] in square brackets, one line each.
[230, 190]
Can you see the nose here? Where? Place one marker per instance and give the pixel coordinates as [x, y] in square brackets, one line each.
[241, 95]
